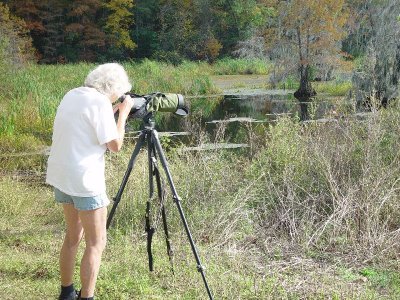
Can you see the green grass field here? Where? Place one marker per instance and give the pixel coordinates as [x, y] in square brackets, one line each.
[310, 211]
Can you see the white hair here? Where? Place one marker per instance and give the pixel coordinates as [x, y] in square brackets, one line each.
[109, 79]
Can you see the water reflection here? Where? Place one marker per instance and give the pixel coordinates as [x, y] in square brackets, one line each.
[238, 111]
[230, 117]
[257, 106]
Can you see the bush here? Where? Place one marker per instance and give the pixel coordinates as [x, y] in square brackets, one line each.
[332, 185]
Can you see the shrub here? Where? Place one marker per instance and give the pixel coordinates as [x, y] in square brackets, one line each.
[332, 185]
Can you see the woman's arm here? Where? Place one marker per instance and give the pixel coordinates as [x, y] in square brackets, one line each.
[124, 108]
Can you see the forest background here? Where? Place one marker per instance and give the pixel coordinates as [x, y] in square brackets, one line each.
[310, 210]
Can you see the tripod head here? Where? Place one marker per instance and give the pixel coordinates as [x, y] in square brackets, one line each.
[149, 121]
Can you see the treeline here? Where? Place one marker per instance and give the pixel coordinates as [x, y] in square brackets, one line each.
[172, 30]
[307, 39]
[98, 30]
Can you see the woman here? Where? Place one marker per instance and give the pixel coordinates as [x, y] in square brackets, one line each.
[84, 128]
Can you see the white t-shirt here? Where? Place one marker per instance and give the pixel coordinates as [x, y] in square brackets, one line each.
[83, 125]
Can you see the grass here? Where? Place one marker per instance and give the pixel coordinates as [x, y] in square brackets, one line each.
[228, 66]
[290, 83]
[313, 204]
[254, 248]
[333, 88]
[29, 96]
[31, 229]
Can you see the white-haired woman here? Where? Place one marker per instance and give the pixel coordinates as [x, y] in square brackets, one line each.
[84, 128]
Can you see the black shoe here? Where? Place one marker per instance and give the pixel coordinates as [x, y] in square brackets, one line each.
[78, 296]
[72, 296]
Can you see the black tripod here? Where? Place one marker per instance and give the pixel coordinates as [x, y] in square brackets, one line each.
[154, 148]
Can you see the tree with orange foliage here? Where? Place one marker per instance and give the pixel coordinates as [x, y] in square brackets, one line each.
[46, 22]
[15, 42]
[83, 31]
[311, 32]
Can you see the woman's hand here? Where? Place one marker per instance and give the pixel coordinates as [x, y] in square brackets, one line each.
[125, 106]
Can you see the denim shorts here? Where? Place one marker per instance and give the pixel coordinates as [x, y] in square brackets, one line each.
[82, 203]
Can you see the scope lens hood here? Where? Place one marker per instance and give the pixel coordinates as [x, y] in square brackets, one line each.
[182, 109]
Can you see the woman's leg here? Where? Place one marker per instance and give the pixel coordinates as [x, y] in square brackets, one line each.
[94, 226]
[70, 246]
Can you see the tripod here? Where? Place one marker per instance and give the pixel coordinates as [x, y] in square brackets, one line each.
[154, 149]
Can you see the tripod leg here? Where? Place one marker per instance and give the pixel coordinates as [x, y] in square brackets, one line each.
[161, 155]
[150, 232]
[131, 163]
[148, 227]
[161, 197]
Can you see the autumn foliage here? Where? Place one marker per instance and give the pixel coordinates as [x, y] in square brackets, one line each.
[99, 30]
[80, 30]
[308, 34]
[15, 42]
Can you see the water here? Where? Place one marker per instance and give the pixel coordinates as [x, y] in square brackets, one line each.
[257, 105]
[235, 111]
[235, 114]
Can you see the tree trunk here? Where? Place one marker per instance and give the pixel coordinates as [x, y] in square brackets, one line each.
[305, 91]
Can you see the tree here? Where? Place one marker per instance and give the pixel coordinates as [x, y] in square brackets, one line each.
[118, 23]
[146, 27]
[387, 57]
[238, 22]
[254, 47]
[83, 31]
[310, 31]
[205, 29]
[208, 44]
[177, 35]
[30, 13]
[360, 26]
[380, 74]
[15, 42]
[46, 21]
[52, 41]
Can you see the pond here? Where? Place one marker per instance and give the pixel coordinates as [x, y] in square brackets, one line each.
[235, 110]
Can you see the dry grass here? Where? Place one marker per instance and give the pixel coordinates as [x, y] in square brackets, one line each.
[333, 187]
[312, 204]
